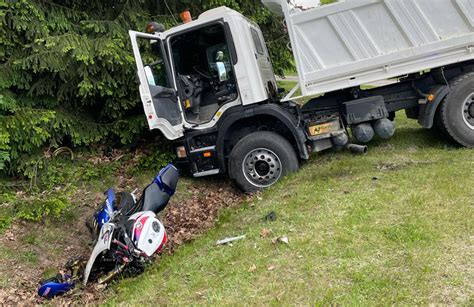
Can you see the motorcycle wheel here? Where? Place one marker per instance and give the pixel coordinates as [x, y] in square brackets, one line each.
[125, 202]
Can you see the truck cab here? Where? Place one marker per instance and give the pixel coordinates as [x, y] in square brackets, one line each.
[191, 74]
[208, 84]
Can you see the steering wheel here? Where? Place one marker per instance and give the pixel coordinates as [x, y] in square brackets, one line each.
[202, 73]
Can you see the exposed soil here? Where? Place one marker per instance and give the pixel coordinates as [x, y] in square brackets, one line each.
[190, 212]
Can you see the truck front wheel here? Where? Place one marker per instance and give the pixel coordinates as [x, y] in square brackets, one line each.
[457, 111]
[260, 159]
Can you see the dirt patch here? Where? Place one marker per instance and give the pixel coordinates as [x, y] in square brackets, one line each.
[30, 251]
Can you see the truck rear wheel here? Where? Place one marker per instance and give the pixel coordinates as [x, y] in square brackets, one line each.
[260, 159]
[457, 111]
[438, 127]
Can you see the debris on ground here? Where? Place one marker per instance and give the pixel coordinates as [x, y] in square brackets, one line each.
[282, 240]
[252, 268]
[271, 216]
[271, 268]
[228, 240]
[265, 232]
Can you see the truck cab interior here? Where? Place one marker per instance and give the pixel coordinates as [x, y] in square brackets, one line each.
[204, 71]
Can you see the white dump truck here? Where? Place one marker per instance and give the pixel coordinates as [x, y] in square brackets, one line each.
[208, 84]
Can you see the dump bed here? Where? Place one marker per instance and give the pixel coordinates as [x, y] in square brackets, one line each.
[353, 42]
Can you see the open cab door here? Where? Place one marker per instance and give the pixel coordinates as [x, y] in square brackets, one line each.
[157, 87]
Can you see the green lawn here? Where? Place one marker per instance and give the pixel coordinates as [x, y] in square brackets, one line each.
[392, 227]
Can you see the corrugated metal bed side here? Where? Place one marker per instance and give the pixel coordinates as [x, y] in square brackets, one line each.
[353, 42]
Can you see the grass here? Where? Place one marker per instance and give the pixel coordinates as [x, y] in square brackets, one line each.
[391, 227]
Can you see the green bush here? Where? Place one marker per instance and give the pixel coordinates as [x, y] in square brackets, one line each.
[5, 221]
[62, 172]
[154, 160]
[31, 208]
[34, 208]
[38, 209]
[55, 187]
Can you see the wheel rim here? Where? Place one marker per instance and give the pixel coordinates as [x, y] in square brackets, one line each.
[262, 167]
[468, 111]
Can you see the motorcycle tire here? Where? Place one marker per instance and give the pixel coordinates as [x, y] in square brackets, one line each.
[125, 202]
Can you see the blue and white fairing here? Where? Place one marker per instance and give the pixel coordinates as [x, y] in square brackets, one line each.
[55, 287]
[107, 211]
[102, 244]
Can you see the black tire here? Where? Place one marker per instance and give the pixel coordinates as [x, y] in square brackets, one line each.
[456, 113]
[438, 128]
[124, 201]
[260, 159]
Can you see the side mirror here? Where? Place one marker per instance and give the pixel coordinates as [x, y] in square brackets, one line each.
[221, 71]
[149, 75]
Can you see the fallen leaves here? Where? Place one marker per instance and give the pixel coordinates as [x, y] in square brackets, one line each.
[188, 217]
[9, 236]
[265, 232]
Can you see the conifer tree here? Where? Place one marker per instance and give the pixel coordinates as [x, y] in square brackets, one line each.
[67, 72]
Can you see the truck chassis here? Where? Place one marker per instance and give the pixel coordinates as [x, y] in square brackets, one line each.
[422, 96]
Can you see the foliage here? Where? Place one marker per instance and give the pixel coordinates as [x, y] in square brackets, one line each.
[64, 172]
[6, 217]
[67, 73]
[32, 208]
[36, 209]
[154, 160]
[59, 179]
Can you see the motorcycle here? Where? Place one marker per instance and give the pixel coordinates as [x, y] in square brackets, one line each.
[127, 235]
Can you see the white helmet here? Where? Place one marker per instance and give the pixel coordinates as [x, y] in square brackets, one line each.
[148, 233]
